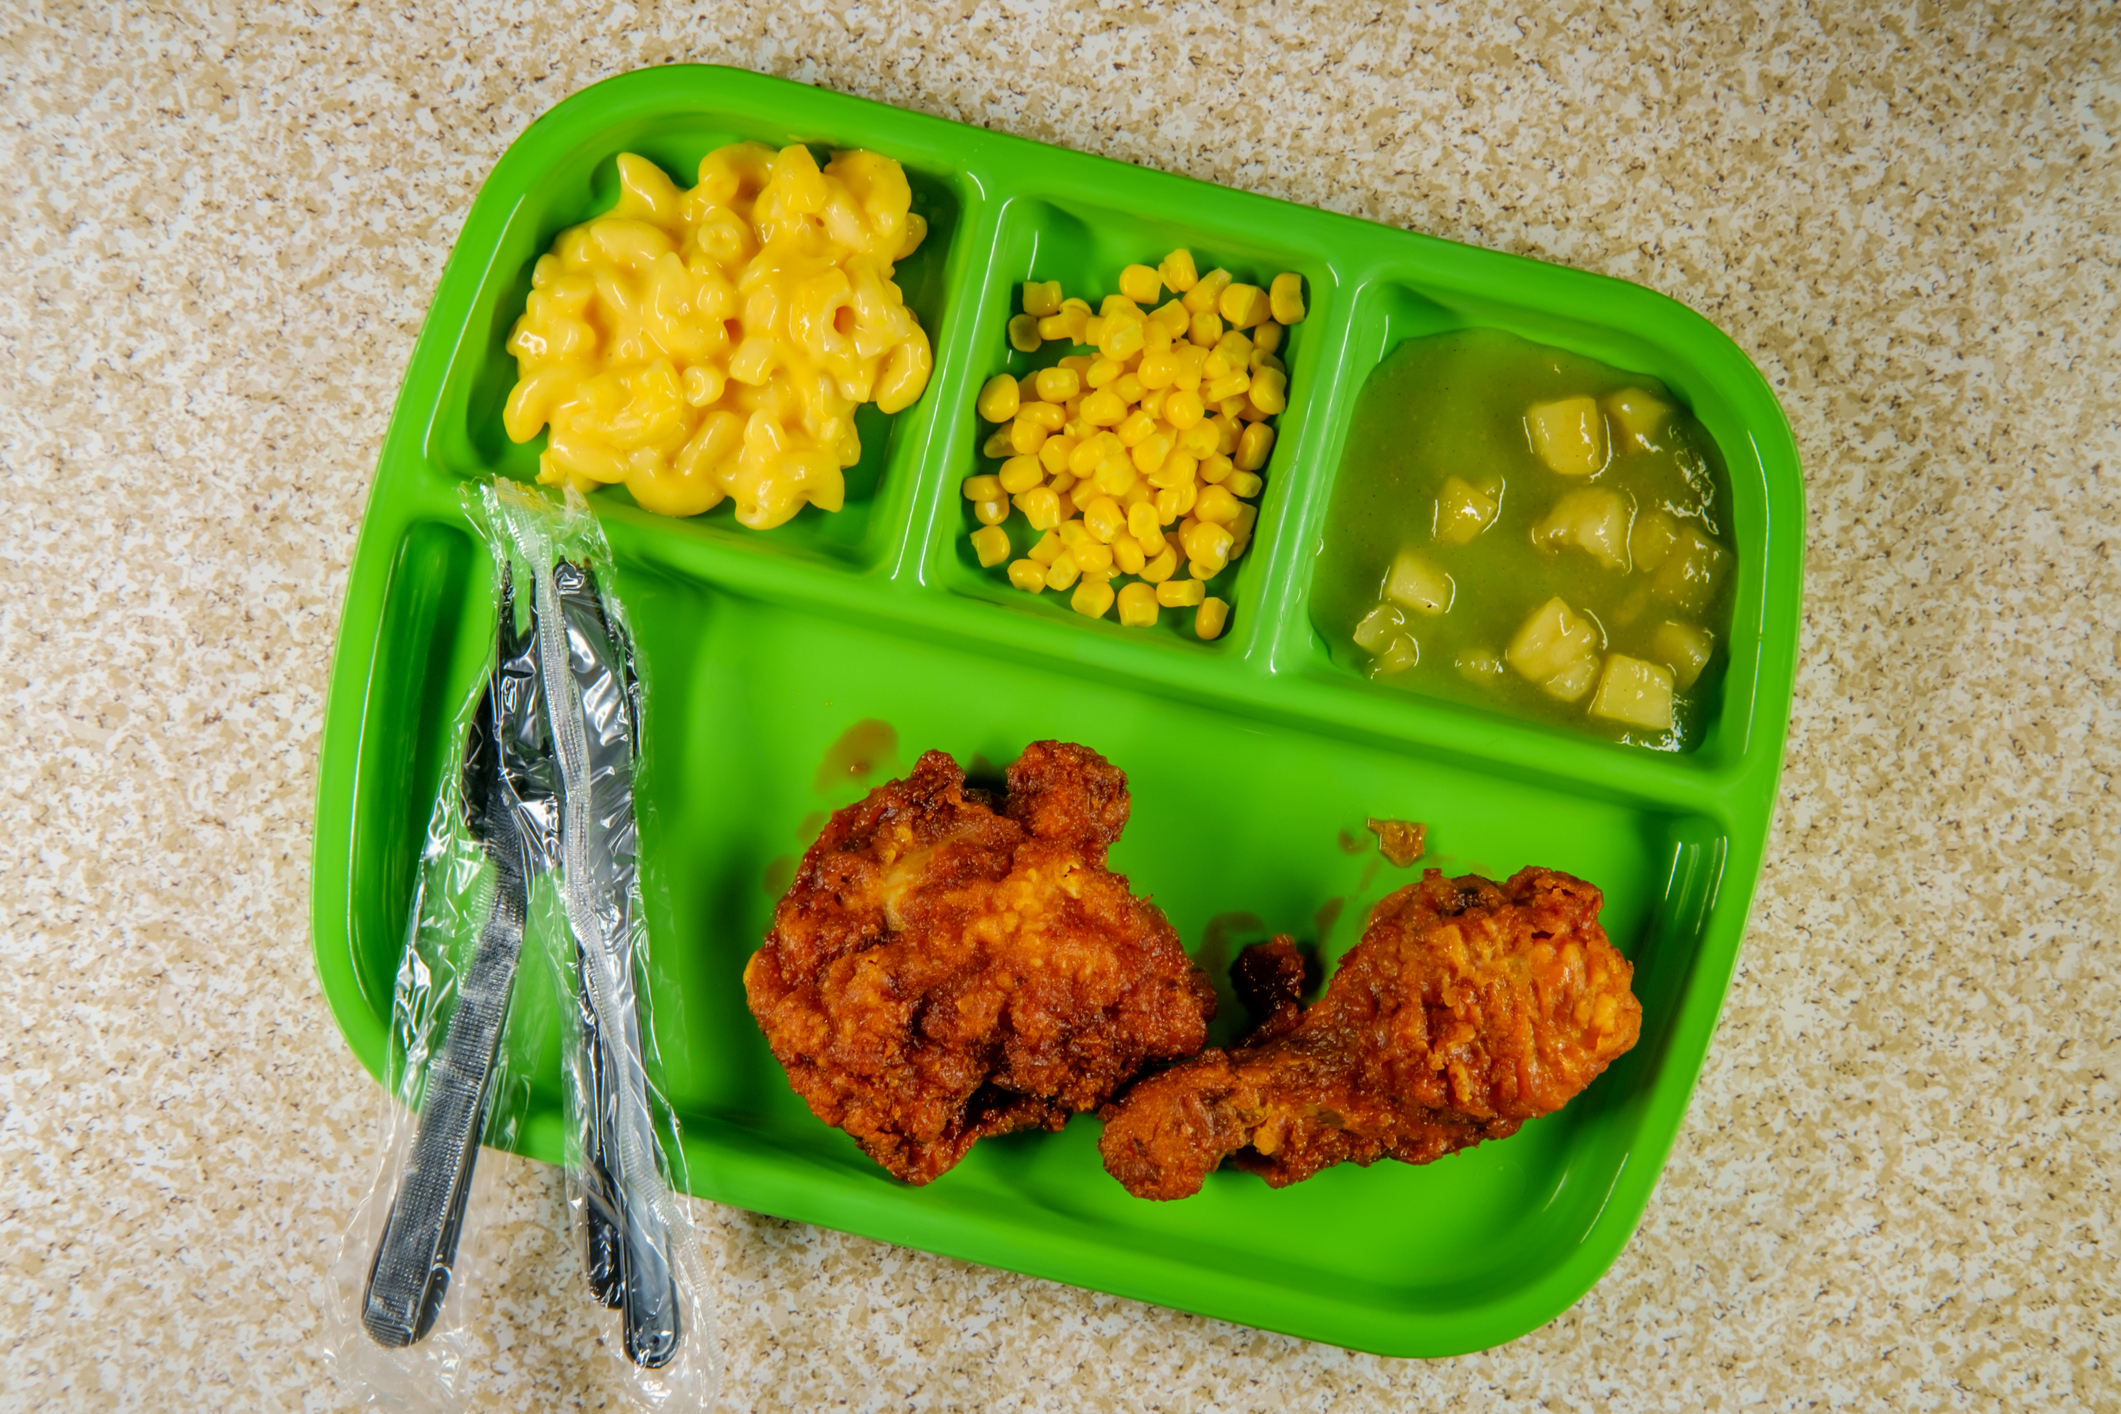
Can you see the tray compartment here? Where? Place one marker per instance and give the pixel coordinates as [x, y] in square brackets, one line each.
[1392, 307]
[1053, 233]
[468, 440]
[722, 669]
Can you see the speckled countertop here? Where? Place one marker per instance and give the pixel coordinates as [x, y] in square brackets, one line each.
[1895, 1187]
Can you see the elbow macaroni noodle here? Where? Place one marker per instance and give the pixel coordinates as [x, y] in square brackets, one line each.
[714, 343]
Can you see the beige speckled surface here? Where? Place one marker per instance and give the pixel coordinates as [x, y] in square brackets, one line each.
[1895, 1188]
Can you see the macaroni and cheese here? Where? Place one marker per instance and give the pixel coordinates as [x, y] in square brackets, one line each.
[714, 343]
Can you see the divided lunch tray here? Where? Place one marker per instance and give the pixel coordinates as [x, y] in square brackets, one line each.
[770, 658]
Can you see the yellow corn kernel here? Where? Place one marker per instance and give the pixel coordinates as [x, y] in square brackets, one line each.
[1102, 371]
[1084, 457]
[1177, 470]
[1269, 390]
[1128, 388]
[1104, 408]
[1051, 416]
[1053, 457]
[1027, 436]
[1175, 318]
[1245, 483]
[1161, 566]
[1091, 598]
[998, 398]
[1216, 504]
[1093, 329]
[1023, 333]
[982, 488]
[1158, 370]
[1137, 606]
[1141, 283]
[1047, 550]
[1175, 501]
[1041, 506]
[1127, 554]
[1152, 403]
[1208, 543]
[1095, 557]
[1119, 306]
[1267, 336]
[1073, 534]
[1156, 338]
[1232, 385]
[1227, 431]
[1120, 339]
[1241, 528]
[1285, 297]
[1242, 305]
[1057, 385]
[991, 542]
[1234, 408]
[1264, 358]
[1208, 291]
[1143, 525]
[1177, 270]
[1104, 518]
[998, 443]
[1137, 426]
[1116, 476]
[1042, 297]
[1254, 447]
[1191, 358]
[1062, 572]
[1184, 410]
[1053, 326]
[1205, 329]
[1215, 467]
[1153, 451]
[1019, 474]
[1209, 619]
[1028, 575]
[1084, 492]
[1062, 481]
[1181, 593]
[1200, 440]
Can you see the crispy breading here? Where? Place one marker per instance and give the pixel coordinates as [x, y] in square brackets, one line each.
[940, 970]
[1467, 1008]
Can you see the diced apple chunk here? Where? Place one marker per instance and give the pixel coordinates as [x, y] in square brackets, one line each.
[1634, 693]
[1397, 656]
[1688, 577]
[1682, 647]
[1556, 649]
[1463, 510]
[1377, 628]
[1592, 518]
[1479, 665]
[1418, 583]
[1569, 435]
[1652, 539]
[1638, 415]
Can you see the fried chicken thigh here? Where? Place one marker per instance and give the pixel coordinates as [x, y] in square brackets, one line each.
[1467, 1008]
[941, 969]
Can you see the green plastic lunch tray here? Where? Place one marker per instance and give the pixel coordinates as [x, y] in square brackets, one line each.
[779, 664]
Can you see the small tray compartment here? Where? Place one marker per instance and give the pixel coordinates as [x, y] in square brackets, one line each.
[1250, 758]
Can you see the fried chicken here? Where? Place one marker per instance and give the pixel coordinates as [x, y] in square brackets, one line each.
[940, 970]
[1467, 1008]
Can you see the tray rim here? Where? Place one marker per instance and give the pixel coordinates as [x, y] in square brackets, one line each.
[1734, 793]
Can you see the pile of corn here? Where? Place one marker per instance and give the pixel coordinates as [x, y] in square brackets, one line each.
[1144, 453]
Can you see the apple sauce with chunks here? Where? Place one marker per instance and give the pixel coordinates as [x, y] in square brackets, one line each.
[1531, 530]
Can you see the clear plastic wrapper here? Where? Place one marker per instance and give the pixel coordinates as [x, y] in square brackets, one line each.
[526, 930]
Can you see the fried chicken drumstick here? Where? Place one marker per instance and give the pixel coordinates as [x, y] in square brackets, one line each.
[1467, 1008]
[943, 969]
